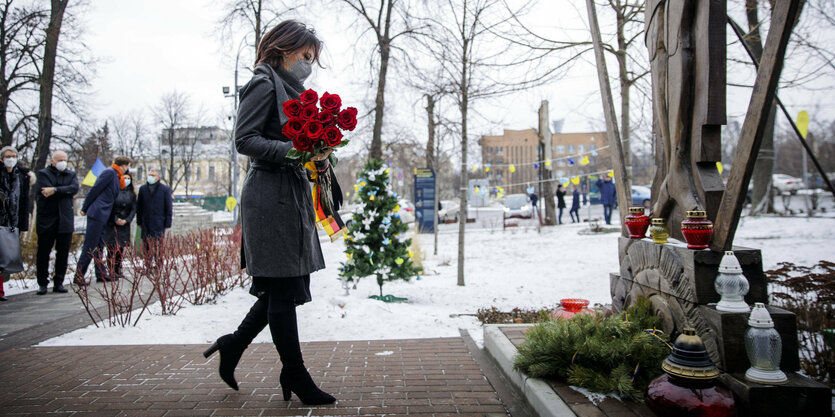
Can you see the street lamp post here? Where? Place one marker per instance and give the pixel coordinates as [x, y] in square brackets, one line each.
[233, 150]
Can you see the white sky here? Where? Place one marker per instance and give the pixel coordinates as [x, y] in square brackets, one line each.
[150, 47]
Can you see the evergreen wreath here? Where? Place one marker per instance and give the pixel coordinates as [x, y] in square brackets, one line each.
[620, 353]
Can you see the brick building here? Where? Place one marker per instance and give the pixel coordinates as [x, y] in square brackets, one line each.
[519, 149]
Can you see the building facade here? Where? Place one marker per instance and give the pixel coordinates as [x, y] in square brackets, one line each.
[201, 159]
[511, 160]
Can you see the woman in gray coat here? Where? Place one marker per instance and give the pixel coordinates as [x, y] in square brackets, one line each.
[280, 246]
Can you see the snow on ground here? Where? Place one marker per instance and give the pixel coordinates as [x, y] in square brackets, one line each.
[514, 268]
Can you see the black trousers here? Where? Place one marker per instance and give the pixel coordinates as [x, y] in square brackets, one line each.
[46, 241]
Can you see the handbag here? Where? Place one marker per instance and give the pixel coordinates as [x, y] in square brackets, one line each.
[11, 261]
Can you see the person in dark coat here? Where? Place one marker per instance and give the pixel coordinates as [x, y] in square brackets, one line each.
[154, 214]
[14, 198]
[280, 246]
[97, 207]
[117, 232]
[560, 202]
[608, 197]
[575, 205]
[54, 223]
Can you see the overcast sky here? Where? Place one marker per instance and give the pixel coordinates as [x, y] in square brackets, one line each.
[150, 47]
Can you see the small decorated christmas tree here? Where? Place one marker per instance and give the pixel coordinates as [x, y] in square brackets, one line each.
[376, 242]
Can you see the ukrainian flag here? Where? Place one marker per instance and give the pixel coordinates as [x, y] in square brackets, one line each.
[90, 178]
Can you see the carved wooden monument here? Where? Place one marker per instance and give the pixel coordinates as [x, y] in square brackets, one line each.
[686, 42]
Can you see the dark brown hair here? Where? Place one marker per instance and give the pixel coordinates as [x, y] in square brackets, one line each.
[287, 36]
[122, 160]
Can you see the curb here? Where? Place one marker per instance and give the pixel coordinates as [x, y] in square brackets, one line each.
[542, 399]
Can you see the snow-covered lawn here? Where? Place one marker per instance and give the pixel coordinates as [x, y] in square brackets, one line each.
[515, 268]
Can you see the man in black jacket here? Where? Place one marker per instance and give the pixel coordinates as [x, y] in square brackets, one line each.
[154, 212]
[55, 220]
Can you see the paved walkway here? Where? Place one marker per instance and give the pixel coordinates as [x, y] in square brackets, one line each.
[446, 376]
[395, 377]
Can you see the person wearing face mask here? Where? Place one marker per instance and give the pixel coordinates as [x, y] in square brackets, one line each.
[280, 246]
[15, 180]
[154, 212]
[117, 232]
[97, 207]
[54, 223]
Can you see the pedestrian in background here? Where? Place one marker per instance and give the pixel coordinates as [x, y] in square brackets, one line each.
[534, 201]
[117, 232]
[54, 223]
[15, 180]
[154, 213]
[97, 207]
[575, 204]
[608, 197]
[560, 202]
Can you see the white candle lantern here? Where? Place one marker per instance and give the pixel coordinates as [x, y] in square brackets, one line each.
[764, 347]
[731, 285]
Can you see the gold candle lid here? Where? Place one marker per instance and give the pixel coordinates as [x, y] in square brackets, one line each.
[636, 210]
[658, 221]
[697, 213]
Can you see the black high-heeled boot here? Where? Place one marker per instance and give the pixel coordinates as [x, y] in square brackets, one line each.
[232, 346]
[294, 377]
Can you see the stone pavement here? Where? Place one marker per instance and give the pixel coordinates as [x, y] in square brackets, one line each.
[393, 377]
[446, 376]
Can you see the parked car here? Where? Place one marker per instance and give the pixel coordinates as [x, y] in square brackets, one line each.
[518, 205]
[641, 196]
[407, 211]
[449, 211]
[786, 183]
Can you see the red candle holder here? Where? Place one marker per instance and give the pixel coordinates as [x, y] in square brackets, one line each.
[637, 223]
[569, 307]
[697, 229]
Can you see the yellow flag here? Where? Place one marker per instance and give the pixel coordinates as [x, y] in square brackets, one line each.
[612, 173]
[719, 167]
[803, 123]
[89, 179]
[512, 169]
[584, 160]
[231, 202]
[475, 169]
[575, 180]
[548, 163]
[565, 184]
[486, 169]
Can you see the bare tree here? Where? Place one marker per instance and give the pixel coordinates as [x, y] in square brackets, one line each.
[47, 80]
[130, 133]
[387, 21]
[476, 64]
[254, 16]
[173, 113]
[20, 36]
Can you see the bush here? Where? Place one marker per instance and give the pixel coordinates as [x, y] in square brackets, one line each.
[619, 354]
[809, 293]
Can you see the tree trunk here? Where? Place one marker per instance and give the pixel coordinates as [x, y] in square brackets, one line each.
[462, 213]
[625, 85]
[257, 28]
[376, 151]
[430, 143]
[53, 32]
[761, 197]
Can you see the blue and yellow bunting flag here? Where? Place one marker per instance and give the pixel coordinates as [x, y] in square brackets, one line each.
[90, 178]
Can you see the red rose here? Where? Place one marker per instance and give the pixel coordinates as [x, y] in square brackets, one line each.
[313, 130]
[308, 97]
[332, 136]
[326, 118]
[347, 119]
[309, 112]
[303, 143]
[293, 128]
[330, 102]
[292, 108]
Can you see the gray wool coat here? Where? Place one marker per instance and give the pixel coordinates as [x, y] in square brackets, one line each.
[279, 224]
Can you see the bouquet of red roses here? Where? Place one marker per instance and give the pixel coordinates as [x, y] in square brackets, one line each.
[314, 129]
